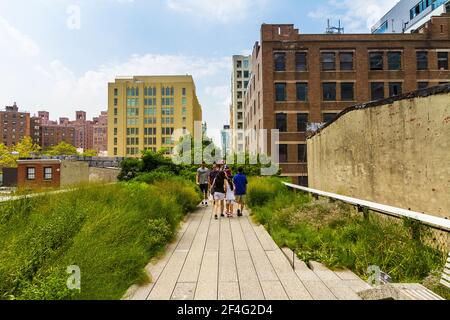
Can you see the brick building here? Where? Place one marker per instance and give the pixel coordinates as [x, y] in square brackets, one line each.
[14, 125]
[100, 132]
[299, 81]
[48, 133]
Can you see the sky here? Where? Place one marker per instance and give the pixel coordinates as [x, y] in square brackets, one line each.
[59, 55]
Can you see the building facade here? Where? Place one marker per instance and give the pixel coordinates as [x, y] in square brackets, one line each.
[226, 140]
[145, 111]
[302, 81]
[14, 125]
[408, 15]
[100, 133]
[239, 82]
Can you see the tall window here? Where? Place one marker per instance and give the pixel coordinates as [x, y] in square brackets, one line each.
[376, 61]
[302, 92]
[422, 60]
[377, 90]
[31, 173]
[116, 92]
[394, 61]
[281, 122]
[395, 88]
[329, 91]
[347, 91]
[443, 60]
[283, 153]
[302, 153]
[280, 91]
[346, 60]
[301, 61]
[280, 61]
[48, 173]
[328, 61]
[302, 122]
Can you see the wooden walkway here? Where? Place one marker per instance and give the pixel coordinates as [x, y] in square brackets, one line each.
[234, 259]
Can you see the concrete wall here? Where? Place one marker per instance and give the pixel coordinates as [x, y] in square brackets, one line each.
[73, 173]
[396, 154]
[105, 175]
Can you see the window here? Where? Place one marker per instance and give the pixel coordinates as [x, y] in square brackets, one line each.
[31, 173]
[115, 151]
[116, 92]
[303, 181]
[280, 91]
[329, 117]
[280, 61]
[329, 91]
[302, 153]
[395, 89]
[443, 60]
[328, 61]
[346, 60]
[347, 91]
[302, 122]
[246, 74]
[283, 153]
[48, 173]
[281, 122]
[377, 90]
[394, 61]
[422, 60]
[301, 61]
[302, 92]
[376, 61]
[422, 85]
[183, 91]
[115, 102]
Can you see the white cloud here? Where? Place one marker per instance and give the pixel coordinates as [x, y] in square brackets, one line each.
[356, 15]
[14, 42]
[217, 10]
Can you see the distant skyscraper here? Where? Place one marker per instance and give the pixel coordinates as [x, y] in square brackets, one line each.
[239, 82]
[226, 140]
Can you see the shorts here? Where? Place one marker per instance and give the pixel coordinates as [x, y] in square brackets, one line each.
[204, 188]
[219, 196]
[240, 198]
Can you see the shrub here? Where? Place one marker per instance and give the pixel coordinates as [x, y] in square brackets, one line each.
[262, 190]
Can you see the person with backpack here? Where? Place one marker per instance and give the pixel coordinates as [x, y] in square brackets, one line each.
[219, 187]
[240, 183]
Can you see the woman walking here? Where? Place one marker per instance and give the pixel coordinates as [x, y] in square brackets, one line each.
[219, 188]
[230, 198]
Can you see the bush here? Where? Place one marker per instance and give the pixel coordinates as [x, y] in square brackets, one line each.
[262, 190]
[111, 232]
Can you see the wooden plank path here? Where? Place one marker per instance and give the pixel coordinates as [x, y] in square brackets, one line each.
[234, 259]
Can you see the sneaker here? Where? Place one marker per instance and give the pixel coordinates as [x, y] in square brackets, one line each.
[239, 213]
[206, 203]
[215, 217]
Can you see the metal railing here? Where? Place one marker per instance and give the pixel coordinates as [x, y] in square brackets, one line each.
[440, 227]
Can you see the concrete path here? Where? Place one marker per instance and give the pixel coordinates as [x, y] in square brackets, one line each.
[234, 259]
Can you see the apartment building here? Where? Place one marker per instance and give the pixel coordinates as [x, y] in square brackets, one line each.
[100, 132]
[239, 82]
[225, 140]
[145, 111]
[302, 81]
[14, 125]
[408, 15]
[47, 133]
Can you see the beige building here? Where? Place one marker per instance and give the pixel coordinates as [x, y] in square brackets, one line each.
[145, 111]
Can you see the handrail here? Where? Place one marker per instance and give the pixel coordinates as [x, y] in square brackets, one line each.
[432, 221]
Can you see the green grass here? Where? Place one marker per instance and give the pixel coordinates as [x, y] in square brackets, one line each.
[110, 232]
[336, 235]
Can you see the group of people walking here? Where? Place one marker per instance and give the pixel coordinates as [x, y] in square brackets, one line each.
[225, 189]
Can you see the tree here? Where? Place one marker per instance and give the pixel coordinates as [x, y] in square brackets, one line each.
[7, 160]
[62, 149]
[26, 148]
[90, 153]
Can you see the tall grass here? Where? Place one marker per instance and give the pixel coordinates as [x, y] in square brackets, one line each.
[110, 232]
[339, 237]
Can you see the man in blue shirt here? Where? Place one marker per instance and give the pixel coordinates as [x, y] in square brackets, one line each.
[240, 183]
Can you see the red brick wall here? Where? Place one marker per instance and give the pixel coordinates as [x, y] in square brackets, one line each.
[38, 182]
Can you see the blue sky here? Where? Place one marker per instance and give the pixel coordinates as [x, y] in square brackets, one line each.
[58, 55]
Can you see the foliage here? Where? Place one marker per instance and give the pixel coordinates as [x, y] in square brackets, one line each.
[110, 232]
[24, 149]
[89, 153]
[62, 149]
[336, 235]
[6, 158]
